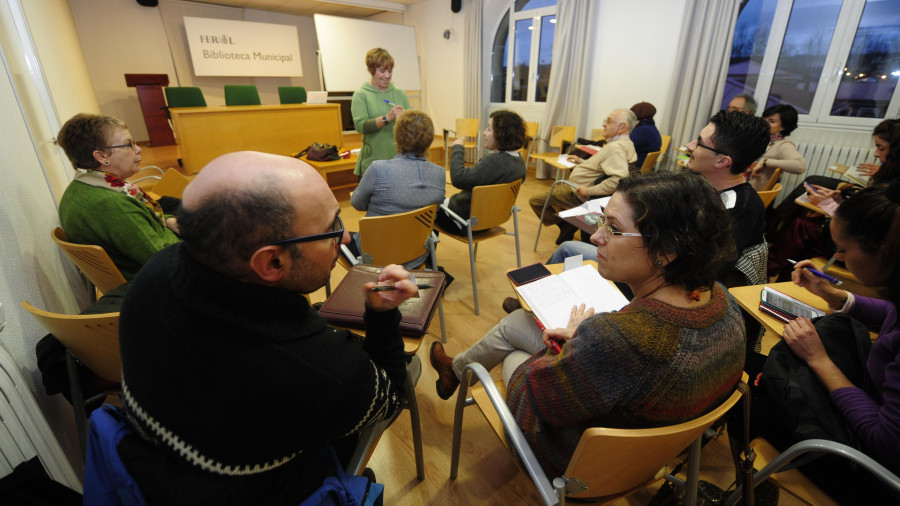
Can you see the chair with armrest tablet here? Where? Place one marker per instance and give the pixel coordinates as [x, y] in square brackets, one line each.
[776, 175]
[241, 94]
[491, 208]
[466, 129]
[547, 203]
[531, 130]
[558, 135]
[770, 463]
[650, 162]
[292, 94]
[607, 463]
[94, 341]
[147, 176]
[666, 139]
[172, 184]
[93, 261]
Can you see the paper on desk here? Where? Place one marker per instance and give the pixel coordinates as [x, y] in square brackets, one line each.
[591, 206]
[828, 206]
[551, 298]
[563, 160]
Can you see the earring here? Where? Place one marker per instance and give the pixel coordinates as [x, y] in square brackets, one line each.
[106, 162]
[658, 262]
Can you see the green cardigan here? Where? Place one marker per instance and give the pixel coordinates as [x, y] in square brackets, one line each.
[127, 229]
[369, 104]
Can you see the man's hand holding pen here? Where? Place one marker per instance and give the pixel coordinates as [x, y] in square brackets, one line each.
[404, 287]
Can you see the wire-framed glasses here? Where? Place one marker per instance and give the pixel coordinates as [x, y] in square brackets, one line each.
[130, 144]
[601, 222]
[337, 232]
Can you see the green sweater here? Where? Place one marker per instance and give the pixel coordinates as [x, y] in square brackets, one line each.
[127, 229]
[369, 104]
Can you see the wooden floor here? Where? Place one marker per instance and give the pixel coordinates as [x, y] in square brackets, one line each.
[488, 475]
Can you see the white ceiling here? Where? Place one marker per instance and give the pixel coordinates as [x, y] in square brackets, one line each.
[346, 8]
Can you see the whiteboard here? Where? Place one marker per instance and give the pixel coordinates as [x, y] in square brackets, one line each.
[343, 43]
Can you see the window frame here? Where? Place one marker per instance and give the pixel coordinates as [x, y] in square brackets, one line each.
[534, 56]
[839, 47]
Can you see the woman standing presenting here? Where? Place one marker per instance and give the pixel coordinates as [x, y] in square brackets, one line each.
[376, 104]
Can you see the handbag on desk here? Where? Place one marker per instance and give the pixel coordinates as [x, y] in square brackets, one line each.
[320, 153]
[347, 303]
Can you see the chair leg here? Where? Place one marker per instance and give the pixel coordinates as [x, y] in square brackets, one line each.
[413, 407]
[77, 403]
[328, 288]
[541, 221]
[472, 265]
[693, 473]
[434, 267]
[515, 213]
[461, 402]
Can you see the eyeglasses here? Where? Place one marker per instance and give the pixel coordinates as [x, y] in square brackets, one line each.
[130, 144]
[609, 121]
[601, 222]
[337, 233]
[714, 150]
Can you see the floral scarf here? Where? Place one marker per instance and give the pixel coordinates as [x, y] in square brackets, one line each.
[114, 183]
[775, 137]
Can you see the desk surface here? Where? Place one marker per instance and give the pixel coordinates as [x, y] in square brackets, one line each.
[748, 298]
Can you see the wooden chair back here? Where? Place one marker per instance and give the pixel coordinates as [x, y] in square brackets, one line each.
[597, 134]
[93, 339]
[650, 162]
[92, 260]
[492, 204]
[616, 460]
[467, 128]
[531, 130]
[559, 134]
[666, 139]
[776, 175]
[768, 196]
[172, 184]
[397, 238]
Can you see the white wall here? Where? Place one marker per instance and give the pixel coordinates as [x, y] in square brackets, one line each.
[634, 55]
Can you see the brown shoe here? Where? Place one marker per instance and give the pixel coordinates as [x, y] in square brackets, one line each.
[447, 381]
[510, 304]
[566, 232]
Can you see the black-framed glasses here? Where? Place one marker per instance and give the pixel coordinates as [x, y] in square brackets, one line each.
[337, 233]
[601, 222]
[714, 150]
[130, 144]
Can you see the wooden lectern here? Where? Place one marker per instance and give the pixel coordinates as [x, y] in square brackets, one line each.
[150, 94]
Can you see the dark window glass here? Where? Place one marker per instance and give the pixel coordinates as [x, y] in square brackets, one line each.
[806, 43]
[498, 61]
[873, 66]
[545, 57]
[748, 48]
[521, 59]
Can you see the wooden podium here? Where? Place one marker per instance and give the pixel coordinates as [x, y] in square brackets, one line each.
[150, 94]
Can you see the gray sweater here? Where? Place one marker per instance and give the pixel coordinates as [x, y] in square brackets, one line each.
[398, 185]
[495, 168]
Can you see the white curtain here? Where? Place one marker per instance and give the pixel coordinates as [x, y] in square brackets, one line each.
[569, 86]
[472, 71]
[701, 67]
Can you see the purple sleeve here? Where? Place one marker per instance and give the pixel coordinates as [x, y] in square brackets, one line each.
[871, 312]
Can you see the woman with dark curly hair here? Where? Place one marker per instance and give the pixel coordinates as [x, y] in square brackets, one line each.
[504, 136]
[781, 153]
[100, 206]
[672, 354]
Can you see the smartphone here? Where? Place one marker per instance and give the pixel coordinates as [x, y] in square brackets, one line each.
[528, 274]
[810, 188]
[785, 306]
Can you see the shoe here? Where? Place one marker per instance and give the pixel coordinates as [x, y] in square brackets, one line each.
[447, 381]
[510, 304]
[566, 232]
[317, 306]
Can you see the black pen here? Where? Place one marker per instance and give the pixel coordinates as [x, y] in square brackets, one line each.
[391, 288]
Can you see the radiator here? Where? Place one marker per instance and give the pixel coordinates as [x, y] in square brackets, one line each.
[24, 432]
[818, 158]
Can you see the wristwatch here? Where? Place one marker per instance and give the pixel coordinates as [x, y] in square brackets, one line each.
[385, 120]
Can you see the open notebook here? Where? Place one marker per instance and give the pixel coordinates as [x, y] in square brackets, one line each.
[551, 298]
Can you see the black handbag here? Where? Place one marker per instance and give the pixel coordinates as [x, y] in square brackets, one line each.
[320, 153]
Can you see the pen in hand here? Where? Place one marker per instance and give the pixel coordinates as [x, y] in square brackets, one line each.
[391, 288]
[388, 102]
[833, 281]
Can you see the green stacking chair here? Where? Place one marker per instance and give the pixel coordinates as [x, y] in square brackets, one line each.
[292, 94]
[184, 96]
[241, 94]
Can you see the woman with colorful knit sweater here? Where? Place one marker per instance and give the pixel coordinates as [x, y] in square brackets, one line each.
[672, 354]
[100, 206]
[504, 136]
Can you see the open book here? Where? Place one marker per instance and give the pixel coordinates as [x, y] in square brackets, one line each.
[551, 298]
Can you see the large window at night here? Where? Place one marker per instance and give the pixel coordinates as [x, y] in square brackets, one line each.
[522, 52]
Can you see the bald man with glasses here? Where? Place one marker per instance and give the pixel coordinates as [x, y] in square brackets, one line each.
[233, 382]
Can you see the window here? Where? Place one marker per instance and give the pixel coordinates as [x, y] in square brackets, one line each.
[523, 73]
[836, 62]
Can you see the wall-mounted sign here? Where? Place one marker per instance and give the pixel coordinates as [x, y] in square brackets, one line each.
[222, 47]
